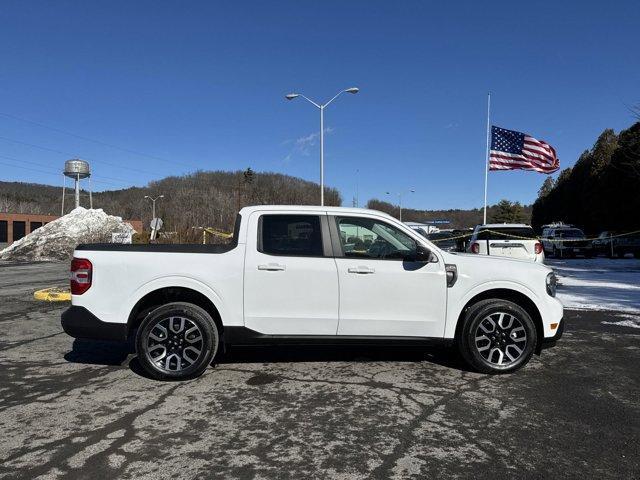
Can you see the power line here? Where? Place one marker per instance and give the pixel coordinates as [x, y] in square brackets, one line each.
[99, 142]
[51, 172]
[67, 154]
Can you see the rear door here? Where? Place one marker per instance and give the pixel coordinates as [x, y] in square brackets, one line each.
[291, 281]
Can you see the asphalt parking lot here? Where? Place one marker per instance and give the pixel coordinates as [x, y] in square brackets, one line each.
[79, 409]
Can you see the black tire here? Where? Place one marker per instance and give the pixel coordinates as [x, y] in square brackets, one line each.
[506, 344]
[179, 329]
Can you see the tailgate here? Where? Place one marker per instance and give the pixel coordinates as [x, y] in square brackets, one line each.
[512, 248]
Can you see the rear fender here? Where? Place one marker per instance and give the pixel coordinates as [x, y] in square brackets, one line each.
[177, 281]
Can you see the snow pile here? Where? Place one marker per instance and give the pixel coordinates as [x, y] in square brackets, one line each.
[632, 322]
[598, 283]
[57, 240]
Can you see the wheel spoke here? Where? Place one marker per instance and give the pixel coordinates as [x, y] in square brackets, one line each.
[513, 358]
[176, 324]
[193, 335]
[486, 343]
[194, 351]
[496, 352]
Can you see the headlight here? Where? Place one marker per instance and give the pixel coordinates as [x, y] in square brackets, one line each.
[552, 283]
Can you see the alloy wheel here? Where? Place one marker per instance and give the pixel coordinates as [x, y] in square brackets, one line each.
[500, 339]
[174, 344]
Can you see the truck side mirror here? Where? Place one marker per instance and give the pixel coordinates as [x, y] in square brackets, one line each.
[423, 254]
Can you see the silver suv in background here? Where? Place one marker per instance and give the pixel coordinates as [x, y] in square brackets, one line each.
[514, 240]
[565, 241]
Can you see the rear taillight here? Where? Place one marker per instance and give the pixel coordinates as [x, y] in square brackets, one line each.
[537, 248]
[80, 276]
[475, 247]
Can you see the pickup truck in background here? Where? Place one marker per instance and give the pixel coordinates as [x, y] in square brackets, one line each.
[307, 275]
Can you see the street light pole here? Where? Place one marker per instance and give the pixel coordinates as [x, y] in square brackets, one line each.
[400, 200]
[322, 156]
[153, 202]
[321, 107]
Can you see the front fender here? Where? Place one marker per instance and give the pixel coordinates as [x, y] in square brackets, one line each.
[457, 303]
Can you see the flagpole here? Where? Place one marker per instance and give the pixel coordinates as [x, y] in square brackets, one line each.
[486, 168]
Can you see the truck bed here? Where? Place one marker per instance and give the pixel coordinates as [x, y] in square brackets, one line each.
[156, 247]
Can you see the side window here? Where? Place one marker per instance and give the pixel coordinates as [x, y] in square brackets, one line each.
[369, 238]
[290, 235]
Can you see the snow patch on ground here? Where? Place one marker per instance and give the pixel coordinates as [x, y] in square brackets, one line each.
[57, 240]
[598, 283]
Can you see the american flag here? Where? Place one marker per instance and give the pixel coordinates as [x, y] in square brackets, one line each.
[511, 150]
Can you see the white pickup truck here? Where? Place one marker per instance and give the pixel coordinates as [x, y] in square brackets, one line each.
[304, 274]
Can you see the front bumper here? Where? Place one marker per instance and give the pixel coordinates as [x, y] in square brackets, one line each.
[548, 342]
[79, 322]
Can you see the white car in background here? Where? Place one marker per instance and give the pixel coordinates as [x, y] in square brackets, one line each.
[513, 240]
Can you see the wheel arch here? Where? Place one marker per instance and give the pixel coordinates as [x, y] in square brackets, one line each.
[162, 296]
[511, 295]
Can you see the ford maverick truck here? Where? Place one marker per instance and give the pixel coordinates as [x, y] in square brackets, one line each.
[306, 275]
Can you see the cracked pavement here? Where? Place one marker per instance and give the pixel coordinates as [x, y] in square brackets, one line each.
[81, 409]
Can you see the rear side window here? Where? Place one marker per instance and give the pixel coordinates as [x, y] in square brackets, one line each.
[290, 235]
[502, 233]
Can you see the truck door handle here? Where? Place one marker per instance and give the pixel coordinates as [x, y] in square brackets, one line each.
[361, 270]
[272, 267]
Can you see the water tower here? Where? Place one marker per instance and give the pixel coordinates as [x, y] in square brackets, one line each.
[78, 170]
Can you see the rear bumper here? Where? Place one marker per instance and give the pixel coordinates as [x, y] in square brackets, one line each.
[548, 342]
[79, 322]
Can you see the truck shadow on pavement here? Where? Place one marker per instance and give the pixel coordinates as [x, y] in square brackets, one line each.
[92, 352]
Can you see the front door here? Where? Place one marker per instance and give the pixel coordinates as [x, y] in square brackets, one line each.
[383, 291]
[291, 281]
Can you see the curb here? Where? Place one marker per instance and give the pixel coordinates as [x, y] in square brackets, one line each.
[54, 294]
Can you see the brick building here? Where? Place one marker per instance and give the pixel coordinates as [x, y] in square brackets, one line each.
[14, 226]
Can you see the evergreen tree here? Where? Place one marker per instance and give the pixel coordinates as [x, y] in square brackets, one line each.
[546, 187]
[508, 212]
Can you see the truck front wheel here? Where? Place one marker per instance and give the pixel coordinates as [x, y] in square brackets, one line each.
[177, 341]
[497, 336]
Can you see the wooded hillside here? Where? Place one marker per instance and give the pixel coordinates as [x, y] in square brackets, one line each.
[601, 191]
[209, 199]
[459, 218]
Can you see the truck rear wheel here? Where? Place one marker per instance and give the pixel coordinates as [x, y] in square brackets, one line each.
[177, 341]
[497, 336]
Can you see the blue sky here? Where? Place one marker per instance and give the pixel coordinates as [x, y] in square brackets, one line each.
[177, 86]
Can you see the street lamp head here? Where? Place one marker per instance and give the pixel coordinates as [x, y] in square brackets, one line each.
[412, 191]
[353, 90]
[388, 193]
[162, 196]
[146, 196]
[291, 96]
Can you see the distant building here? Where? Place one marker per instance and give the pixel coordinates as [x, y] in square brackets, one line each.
[14, 226]
[422, 228]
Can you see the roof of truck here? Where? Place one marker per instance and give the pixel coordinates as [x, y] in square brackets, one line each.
[311, 208]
